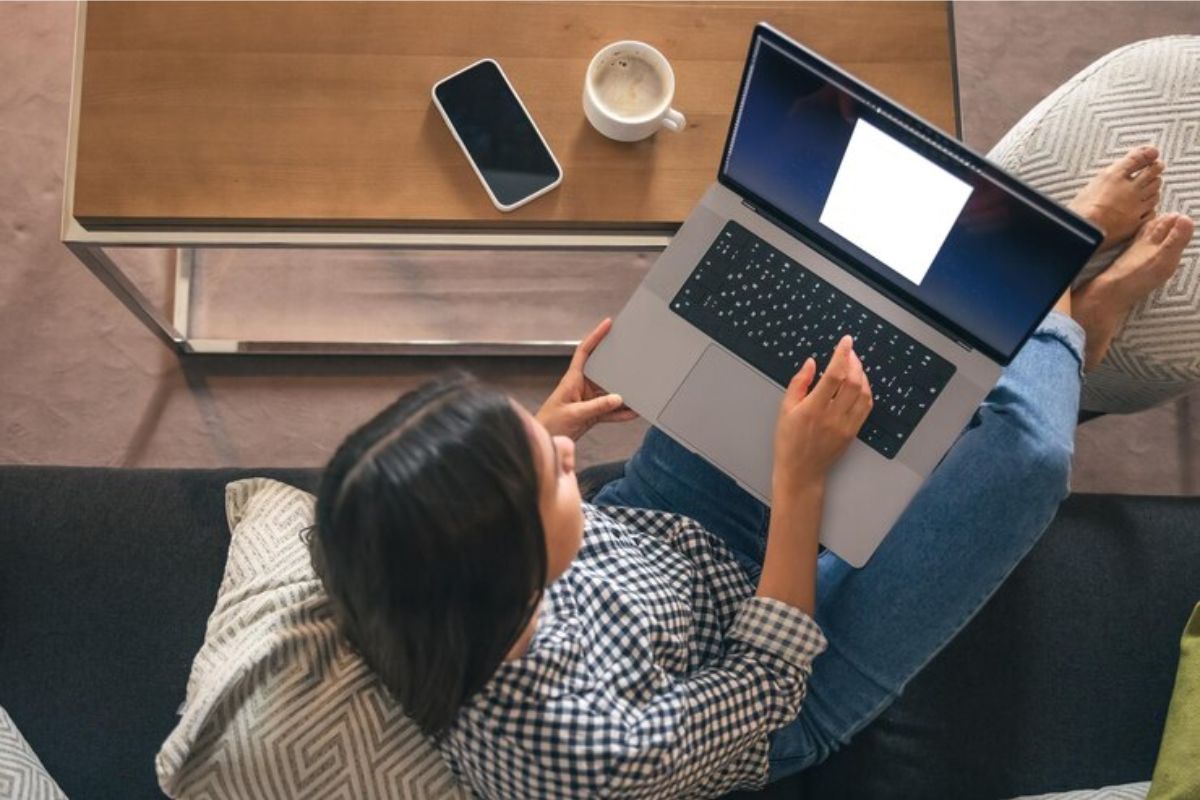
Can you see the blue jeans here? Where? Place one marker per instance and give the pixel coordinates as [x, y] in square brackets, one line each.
[968, 527]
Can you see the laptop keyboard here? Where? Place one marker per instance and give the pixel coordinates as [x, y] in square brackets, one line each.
[774, 313]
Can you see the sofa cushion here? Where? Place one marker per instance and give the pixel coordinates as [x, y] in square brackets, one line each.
[278, 705]
[1146, 92]
[1062, 680]
[106, 579]
[22, 776]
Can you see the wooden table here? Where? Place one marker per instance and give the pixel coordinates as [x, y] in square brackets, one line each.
[310, 124]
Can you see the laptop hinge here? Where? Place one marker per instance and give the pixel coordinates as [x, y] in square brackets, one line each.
[911, 308]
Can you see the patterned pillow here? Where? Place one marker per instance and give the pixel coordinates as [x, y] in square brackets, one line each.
[1147, 91]
[22, 776]
[277, 705]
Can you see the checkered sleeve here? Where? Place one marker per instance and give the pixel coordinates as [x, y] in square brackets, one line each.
[780, 634]
[693, 740]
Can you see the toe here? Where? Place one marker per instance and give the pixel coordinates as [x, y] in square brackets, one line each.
[1150, 173]
[1150, 190]
[1178, 233]
[1171, 229]
[1182, 230]
[1157, 229]
[1137, 158]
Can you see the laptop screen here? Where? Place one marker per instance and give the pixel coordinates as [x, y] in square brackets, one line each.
[918, 215]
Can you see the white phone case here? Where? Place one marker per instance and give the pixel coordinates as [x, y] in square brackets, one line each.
[463, 147]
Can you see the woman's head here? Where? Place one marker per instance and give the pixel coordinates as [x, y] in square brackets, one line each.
[439, 522]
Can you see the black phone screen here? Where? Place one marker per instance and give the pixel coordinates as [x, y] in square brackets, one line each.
[497, 132]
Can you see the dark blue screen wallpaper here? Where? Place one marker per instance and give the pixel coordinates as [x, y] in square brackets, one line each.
[1001, 263]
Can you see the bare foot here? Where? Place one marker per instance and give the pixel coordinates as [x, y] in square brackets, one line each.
[1101, 305]
[1123, 195]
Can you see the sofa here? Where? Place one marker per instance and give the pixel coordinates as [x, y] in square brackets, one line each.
[107, 577]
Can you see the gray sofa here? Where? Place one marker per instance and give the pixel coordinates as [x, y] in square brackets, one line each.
[1063, 680]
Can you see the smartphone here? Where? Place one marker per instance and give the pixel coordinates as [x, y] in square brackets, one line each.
[496, 133]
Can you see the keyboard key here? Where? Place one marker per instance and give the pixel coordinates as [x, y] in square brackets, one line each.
[774, 314]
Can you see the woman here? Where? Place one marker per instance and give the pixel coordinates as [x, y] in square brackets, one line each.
[664, 642]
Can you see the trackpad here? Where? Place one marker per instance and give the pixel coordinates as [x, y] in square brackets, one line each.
[726, 412]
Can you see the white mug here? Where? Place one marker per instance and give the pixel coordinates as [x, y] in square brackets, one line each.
[627, 92]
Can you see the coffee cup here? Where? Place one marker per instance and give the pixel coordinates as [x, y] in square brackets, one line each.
[627, 92]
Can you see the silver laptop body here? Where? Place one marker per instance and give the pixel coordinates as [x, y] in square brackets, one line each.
[716, 404]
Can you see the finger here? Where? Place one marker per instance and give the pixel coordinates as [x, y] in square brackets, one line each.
[835, 373]
[620, 415]
[1149, 173]
[868, 390]
[798, 386]
[589, 343]
[851, 388]
[597, 407]
[592, 389]
[862, 404]
[858, 413]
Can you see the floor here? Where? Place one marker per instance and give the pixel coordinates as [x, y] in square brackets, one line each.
[82, 382]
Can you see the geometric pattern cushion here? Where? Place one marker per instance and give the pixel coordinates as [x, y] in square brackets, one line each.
[1127, 791]
[22, 776]
[1145, 92]
[278, 705]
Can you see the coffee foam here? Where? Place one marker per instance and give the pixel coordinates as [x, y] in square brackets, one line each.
[628, 85]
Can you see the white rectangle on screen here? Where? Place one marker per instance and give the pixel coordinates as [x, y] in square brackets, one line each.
[896, 205]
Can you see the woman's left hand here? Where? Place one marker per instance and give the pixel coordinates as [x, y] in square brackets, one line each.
[577, 404]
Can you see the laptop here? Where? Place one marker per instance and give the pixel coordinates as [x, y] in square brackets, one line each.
[838, 211]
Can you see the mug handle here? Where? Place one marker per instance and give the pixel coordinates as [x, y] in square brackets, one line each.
[674, 121]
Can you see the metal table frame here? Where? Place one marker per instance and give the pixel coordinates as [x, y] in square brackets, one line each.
[90, 246]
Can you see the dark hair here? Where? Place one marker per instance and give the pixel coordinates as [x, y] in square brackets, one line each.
[430, 544]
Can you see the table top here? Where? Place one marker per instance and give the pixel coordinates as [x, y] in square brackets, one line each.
[318, 115]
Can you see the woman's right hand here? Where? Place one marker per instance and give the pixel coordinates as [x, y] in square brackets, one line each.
[815, 427]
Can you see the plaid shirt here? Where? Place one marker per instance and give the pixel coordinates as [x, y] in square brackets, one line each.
[654, 672]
